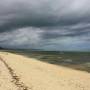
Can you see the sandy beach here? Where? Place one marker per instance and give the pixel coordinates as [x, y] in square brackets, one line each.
[18, 72]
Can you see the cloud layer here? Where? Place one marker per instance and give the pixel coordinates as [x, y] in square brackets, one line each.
[45, 24]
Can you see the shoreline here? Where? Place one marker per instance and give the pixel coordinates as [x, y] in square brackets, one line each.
[44, 76]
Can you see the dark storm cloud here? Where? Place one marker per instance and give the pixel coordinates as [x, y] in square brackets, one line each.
[21, 13]
[44, 23]
[66, 33]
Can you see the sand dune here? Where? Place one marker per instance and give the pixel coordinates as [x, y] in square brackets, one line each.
[22, 73]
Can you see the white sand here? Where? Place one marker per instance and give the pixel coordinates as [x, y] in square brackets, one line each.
[38, 75]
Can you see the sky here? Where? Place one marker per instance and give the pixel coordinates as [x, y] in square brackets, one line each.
[45, 24]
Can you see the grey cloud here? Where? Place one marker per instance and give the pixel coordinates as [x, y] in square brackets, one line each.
[65, 32]
[44, 23]
[21, 38]
[32, 37]
[23, 13]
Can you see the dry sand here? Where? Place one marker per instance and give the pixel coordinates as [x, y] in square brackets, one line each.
[21, 73]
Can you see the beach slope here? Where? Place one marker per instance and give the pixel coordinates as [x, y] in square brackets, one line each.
[18, 72]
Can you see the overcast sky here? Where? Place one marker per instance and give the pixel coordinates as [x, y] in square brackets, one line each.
[45, 24]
